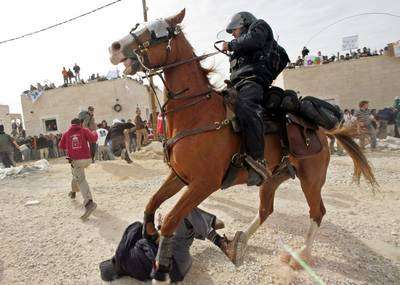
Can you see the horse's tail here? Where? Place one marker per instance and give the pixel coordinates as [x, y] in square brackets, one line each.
[361, 165]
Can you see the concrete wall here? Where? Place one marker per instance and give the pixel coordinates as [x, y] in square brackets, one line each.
[6, 117]
[63, 104]
[376, 79]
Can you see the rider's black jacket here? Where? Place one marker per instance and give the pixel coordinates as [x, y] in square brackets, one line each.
[250, 53]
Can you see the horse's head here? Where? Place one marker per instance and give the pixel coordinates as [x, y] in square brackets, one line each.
[147, 45]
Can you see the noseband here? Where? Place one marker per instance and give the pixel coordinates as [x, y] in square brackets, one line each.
[160, 32]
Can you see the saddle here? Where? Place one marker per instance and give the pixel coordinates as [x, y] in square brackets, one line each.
[298, 135]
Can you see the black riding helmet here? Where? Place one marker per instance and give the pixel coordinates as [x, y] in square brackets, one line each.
[240, 20]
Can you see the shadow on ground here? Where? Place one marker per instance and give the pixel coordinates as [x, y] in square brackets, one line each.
[361, 262]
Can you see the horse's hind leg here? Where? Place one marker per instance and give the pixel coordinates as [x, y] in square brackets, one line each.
[266, 207]
[312, 191]
[273, 156]
[170, 187]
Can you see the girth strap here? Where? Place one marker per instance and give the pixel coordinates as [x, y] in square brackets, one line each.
[186, 133]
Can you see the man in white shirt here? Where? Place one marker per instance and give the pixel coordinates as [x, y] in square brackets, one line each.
[104, 152]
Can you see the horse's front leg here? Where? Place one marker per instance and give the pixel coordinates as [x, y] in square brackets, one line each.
[196, 193]
[170, 187]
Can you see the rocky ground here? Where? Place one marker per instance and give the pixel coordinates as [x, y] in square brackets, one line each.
[47, 243]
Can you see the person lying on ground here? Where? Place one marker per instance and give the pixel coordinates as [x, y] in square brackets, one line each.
[136, 255]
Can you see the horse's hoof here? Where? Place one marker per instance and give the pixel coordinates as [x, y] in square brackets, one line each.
[241, 247]
[235, 249]
[285, 257]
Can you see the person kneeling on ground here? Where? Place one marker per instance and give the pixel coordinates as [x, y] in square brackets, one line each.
[76, 142]
[135, 255]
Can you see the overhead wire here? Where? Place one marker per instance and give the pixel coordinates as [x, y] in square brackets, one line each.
[349, 17]
[60, 23]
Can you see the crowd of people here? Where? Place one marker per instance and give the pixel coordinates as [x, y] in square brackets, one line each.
[306, 60]
[371, 124]
[110, 143]
[74, 76]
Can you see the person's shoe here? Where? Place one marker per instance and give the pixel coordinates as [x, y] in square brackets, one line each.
[234, 249]
[126, 157]
[218, 225]
[72, 194]
[89, 208]
[258, 172]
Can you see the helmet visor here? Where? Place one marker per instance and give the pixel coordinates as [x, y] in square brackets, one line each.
[234, 23]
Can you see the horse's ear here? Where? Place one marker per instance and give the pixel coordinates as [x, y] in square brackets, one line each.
[176, 19]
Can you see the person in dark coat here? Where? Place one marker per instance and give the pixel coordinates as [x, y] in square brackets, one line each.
[136, 255]
[43, 146]
[119, 137]
[7, 144]
[305, 52]
[251, 74]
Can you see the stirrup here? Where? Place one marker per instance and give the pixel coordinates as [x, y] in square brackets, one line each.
[259, 167]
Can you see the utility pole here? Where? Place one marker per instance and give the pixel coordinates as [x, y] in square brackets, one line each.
[150, 90]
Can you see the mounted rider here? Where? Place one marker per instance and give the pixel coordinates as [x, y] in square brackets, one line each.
[254, 61]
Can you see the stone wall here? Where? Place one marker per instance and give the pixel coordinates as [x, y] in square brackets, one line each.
[375, 79]
[63, 104]
[6, 117]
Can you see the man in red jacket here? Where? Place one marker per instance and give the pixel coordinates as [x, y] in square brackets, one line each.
[76, 142]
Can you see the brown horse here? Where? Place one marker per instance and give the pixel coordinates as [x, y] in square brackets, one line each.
[200, 160]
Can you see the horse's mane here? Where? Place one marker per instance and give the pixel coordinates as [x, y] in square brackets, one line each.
[206, 71]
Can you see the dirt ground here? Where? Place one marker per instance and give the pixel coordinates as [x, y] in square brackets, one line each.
[47, 243]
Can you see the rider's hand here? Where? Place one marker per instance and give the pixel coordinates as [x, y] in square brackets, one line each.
[225, 46]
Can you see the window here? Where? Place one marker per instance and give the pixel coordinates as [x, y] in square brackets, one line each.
[50, 125]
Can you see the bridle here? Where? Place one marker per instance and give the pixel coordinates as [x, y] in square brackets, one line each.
[161, 32]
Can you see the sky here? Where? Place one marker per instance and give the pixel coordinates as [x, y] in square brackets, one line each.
[40, 58]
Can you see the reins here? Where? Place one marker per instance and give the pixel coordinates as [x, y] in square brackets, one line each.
[141, 53]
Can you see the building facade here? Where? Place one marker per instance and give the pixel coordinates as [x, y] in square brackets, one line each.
[7, 118]
[112, 99]
[375, 79]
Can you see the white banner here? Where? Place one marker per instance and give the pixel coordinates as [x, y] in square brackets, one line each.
[34, 95]
[350, 43]
[113, 74]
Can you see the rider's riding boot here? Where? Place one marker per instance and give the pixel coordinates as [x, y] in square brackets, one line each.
[258, 173]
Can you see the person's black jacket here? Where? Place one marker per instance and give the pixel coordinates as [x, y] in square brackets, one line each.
[42, 142]
[136, 255]
[250, 53]
[117, 130]
[305, 52]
